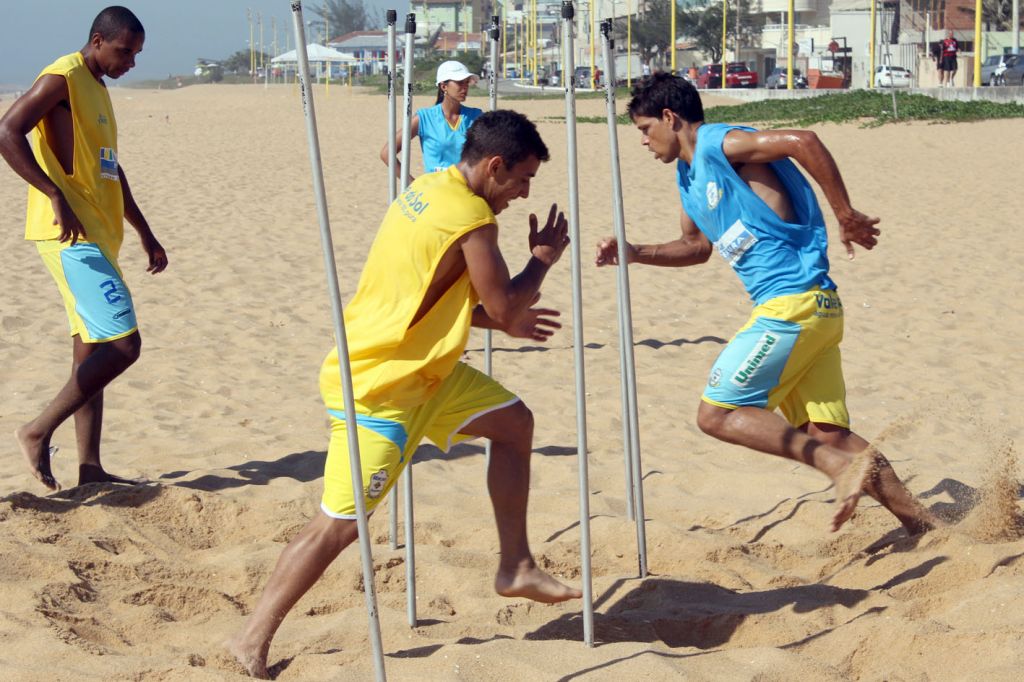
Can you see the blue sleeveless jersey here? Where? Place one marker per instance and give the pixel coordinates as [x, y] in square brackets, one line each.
[770, 256]
[441, 144]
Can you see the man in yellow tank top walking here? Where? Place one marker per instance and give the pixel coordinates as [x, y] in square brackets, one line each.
[78, 200]
[434, 270]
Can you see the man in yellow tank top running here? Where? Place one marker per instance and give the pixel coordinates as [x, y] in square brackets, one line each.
[434, 270]
[78, 201]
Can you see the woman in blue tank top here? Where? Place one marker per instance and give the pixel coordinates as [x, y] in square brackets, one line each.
[442, 127]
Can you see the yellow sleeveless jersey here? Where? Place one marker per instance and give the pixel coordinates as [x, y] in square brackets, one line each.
[395, 364]
[93, 190]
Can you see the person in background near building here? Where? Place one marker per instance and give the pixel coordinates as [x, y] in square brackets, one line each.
[949, 48]
[442, 127]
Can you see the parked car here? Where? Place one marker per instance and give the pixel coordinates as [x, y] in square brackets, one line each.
[994, 66]
[583, 77]
[737, 75]
[777, 79]
[893, 77]
[1014, 73]
[710, 76]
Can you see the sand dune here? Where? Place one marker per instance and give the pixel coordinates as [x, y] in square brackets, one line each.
[222, 414]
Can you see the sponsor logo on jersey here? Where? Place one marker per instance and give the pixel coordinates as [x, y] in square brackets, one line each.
[714, 193]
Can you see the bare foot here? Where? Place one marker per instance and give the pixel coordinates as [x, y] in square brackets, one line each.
[885, 486]
[253, 660]
[850, 485]
[533, 583]
[91, 473]
[37, 451]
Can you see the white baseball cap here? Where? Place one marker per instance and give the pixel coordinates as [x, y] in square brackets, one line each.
[454, 71]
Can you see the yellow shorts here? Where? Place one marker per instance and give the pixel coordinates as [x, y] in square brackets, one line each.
[388, 436]
[96, 299]
[787, 357]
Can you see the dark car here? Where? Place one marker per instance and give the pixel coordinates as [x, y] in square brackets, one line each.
[992, 67]
[1014, 73]
[777, 79]
[737, 75]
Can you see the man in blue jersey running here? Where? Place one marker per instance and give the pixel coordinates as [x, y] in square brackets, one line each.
[745, 198]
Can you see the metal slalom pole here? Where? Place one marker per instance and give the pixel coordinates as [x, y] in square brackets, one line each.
[568, 68]
[628, 364]
[492, 88]
[492, 76]
[339, 334]
[410, 541]
[392, 18]
[624, 345]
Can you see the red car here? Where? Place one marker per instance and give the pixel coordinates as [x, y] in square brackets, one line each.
[737, 75]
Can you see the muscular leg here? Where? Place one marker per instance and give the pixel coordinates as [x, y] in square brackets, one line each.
[92, 370]
[508, 482]
[301, 564]
[883, 484]
[768, 432]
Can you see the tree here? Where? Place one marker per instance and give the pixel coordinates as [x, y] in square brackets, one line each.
[239, 61]
[704, 26]
[651, 29]
[344, 16]
[997, 14]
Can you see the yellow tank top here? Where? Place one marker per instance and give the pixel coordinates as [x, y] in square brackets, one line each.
[93, 190]
[394, 364]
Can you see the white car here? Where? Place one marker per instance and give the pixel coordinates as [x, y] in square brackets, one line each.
[893, 77]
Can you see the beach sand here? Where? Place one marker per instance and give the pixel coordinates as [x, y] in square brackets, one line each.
[223, 415]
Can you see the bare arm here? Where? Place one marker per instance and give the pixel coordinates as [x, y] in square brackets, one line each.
[46, 94]
[506, 299]
[132, 213]
[414, 130]
[692, 248]
[807, 149]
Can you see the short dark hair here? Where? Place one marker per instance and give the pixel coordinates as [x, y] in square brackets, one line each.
[660, 91]
[113, 21]
[503, 133]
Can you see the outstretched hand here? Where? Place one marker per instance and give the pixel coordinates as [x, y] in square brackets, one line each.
[548, 244]
[535, 323]
[857, 228]
[608, 252]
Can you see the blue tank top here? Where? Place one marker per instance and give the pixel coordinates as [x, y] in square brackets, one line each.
[771, 256]
[442, 144]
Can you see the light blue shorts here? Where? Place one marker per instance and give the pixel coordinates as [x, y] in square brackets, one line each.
[96, 299]
[786, 357]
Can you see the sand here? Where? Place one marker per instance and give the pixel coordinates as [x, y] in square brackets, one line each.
[223, 415]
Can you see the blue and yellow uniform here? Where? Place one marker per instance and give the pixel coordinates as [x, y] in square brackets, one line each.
[407, 380]
[440, 141]
[98, 304]
[787, 355]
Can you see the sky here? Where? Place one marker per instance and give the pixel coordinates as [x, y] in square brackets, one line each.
[35, 32]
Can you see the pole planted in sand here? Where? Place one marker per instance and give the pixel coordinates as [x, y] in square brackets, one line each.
[410, 542]
[392, 19]
[568, 69]
[327, 245]
[627, 364]
[492, 91]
